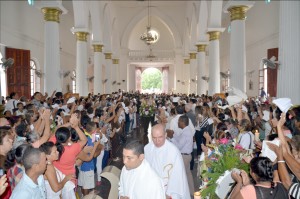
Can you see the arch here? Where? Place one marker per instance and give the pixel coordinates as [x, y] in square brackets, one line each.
[168, 22]
[151, 71]
[107, 25]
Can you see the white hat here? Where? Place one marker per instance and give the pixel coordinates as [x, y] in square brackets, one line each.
[284, 104]
[71, 100]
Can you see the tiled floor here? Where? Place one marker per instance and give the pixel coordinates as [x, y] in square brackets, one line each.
[104, 188]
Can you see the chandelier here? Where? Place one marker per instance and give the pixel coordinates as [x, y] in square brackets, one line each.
[150, 36]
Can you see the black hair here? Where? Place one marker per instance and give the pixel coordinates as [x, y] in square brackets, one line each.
[263, 168]
[46, 147]
[179, 109]
[84, 120]
[74, 135]
[12, 94]
[21, 129]
[62, 135]
[90, 126]
[135, 146]
[19, 152]
[184, 119]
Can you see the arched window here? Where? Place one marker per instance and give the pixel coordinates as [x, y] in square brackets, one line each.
[34, 78]
[73, 77]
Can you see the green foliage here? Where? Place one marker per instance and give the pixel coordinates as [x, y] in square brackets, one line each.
[227, 160]
[151, 78]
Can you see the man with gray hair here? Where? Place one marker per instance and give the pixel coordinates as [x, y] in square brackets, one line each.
[32, 184]
[138, 180]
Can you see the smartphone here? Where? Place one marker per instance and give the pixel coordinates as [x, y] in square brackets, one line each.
[1, 172]
[97, 137]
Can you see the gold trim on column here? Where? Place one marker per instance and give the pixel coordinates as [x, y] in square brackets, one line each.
[115, 61]
[81, 36]
[107, 55]
[98, 48]
[214, 35]
[201, 47]
[51, 14]
[193, 55]
[186, 61]
[238, 12]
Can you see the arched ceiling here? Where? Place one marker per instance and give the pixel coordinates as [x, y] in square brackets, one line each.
[165, 42]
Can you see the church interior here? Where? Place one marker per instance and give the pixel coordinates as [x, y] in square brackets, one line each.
[100, 52]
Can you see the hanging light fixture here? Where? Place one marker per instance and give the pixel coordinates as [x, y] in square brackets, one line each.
[150, 36]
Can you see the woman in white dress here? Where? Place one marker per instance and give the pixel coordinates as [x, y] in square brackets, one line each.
[57, 184]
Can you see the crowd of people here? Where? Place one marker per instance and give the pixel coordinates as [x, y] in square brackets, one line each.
[51, 146]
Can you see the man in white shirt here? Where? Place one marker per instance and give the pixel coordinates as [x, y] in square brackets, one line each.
[166, 160]
[184, 142]
[174, 129]
[138, 180]
[32, 184]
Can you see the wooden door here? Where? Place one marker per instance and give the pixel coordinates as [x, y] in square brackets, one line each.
[18, 76]
[272, 74]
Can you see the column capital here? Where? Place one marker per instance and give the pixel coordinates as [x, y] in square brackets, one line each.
[98, 47]
[193, 55]
[51, 14]
[107, 55]
[214, 35]
[201, 47]
[238, 12]
[186, 61]
[238, 9]
[81, 36]
[115, 61]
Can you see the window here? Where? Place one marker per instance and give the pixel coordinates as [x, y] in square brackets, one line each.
[2, 79]
[263, 79]
[34, 78]
[73, 77]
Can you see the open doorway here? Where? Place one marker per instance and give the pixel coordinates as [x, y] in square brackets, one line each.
[151, 80]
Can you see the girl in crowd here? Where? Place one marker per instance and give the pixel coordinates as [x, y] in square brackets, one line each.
[57, 184]
[261, 170]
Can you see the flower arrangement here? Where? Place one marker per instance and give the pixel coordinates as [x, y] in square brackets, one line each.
[147, 110]
[224, 158]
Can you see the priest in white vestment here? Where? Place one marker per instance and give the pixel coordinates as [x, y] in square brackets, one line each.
[166, 160]
[138, 180]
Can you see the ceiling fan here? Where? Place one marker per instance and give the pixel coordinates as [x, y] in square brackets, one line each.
[270, 63]
[205, 78]
[7, 63]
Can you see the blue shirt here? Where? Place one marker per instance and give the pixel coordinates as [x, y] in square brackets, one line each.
[88, 166]
[27, 189]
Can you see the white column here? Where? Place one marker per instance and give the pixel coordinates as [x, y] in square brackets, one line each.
[131, 78]
[108, 79]
[165, 78]
[97, 68]
[115, 74]
[201, 88]
[237, 12]
[52, 48]
[81, 63]
[214, 63]
[193, 72]
[185, 80]
[288, 82]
